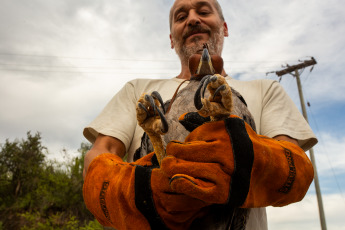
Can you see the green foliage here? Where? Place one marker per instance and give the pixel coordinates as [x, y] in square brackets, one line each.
[92, 225]
[34, 221]
[40, 194]
[20, 169]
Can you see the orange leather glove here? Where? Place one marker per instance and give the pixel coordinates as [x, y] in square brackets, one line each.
[137, 195]
[240, 168]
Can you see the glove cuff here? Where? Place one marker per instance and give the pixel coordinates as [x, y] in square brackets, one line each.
[144, 197]
[281, 172]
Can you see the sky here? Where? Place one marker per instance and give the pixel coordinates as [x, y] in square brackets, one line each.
[62, 61]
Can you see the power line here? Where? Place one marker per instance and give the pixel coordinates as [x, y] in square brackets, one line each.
[16, 66]
[82, 67]
[126, 59]
[325, 150]
[82, 72]
[86, 58]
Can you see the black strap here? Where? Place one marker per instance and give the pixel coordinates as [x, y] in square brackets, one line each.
[143, 197]
[192, 120]
[243, 152]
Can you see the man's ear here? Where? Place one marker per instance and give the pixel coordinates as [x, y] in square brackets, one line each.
[226, 31]
[171, 42]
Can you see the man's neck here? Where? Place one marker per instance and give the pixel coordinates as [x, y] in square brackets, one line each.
[186, 75]
[185, 72]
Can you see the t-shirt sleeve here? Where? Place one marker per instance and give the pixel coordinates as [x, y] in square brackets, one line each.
[280, 116]
[117, 119]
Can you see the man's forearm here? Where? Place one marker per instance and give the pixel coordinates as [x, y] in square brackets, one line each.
[103, 144]
[286, 138]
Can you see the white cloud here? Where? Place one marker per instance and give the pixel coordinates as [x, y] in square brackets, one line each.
[330, 154]
[305, 214]
[280, 32]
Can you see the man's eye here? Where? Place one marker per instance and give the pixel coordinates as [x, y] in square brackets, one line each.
[180, 17]
[204, 13]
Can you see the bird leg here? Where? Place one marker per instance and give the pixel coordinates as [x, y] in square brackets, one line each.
[152, 120]
[219, 104]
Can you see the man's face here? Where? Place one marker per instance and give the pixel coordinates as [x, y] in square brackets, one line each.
[195, 22]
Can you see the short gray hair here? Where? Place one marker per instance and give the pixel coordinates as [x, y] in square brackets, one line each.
[216, 4]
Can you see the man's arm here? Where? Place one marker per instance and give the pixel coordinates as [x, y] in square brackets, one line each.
[103, 144]
[286, 138]
[107, 144]
[127, 195]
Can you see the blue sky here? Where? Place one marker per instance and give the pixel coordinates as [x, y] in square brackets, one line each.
[62, 61]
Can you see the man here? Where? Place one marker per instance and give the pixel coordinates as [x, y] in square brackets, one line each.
[115, 130]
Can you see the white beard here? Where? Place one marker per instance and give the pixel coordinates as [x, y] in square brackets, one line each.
[215, 46]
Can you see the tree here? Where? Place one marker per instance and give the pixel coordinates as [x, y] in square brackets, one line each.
[40, 194]
[21, 167]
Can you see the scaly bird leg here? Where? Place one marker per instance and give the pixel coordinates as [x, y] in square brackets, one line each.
[219, 105]
[152, 120]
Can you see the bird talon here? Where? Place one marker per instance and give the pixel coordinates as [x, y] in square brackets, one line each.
[149, 115]
[157, 96]
[151, 101]
[213, 78]
[197, 96]
[142, 106]
[152, 120]
[219, 103]
[217, 92]
[207, 81]
[164, 122]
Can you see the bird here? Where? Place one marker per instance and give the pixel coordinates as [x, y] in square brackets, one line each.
[207, 97]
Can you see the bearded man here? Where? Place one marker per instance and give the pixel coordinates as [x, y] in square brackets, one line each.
[140, 195]
[193, 24]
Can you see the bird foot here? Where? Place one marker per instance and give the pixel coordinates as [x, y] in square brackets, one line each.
[152, 120]
[219, 103]
[149, 115]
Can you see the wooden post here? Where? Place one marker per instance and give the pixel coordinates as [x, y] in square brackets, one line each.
[295, 69]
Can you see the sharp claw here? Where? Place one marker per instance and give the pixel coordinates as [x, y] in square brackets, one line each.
[197, 95]
[156, 110]
[157, 96]
[152, 102]
[213, 78]
[143, 107]
[207, 81]
[165, 126]
[204, 79]
[197, 98]
[220, 88]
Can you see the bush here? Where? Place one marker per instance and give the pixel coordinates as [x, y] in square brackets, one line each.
[40, 194]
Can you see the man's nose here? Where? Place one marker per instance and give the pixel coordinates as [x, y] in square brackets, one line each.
[193, 18]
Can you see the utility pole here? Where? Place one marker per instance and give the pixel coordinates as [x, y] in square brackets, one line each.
[296, 74]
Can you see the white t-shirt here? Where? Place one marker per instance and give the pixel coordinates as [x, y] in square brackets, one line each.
[273, 111]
